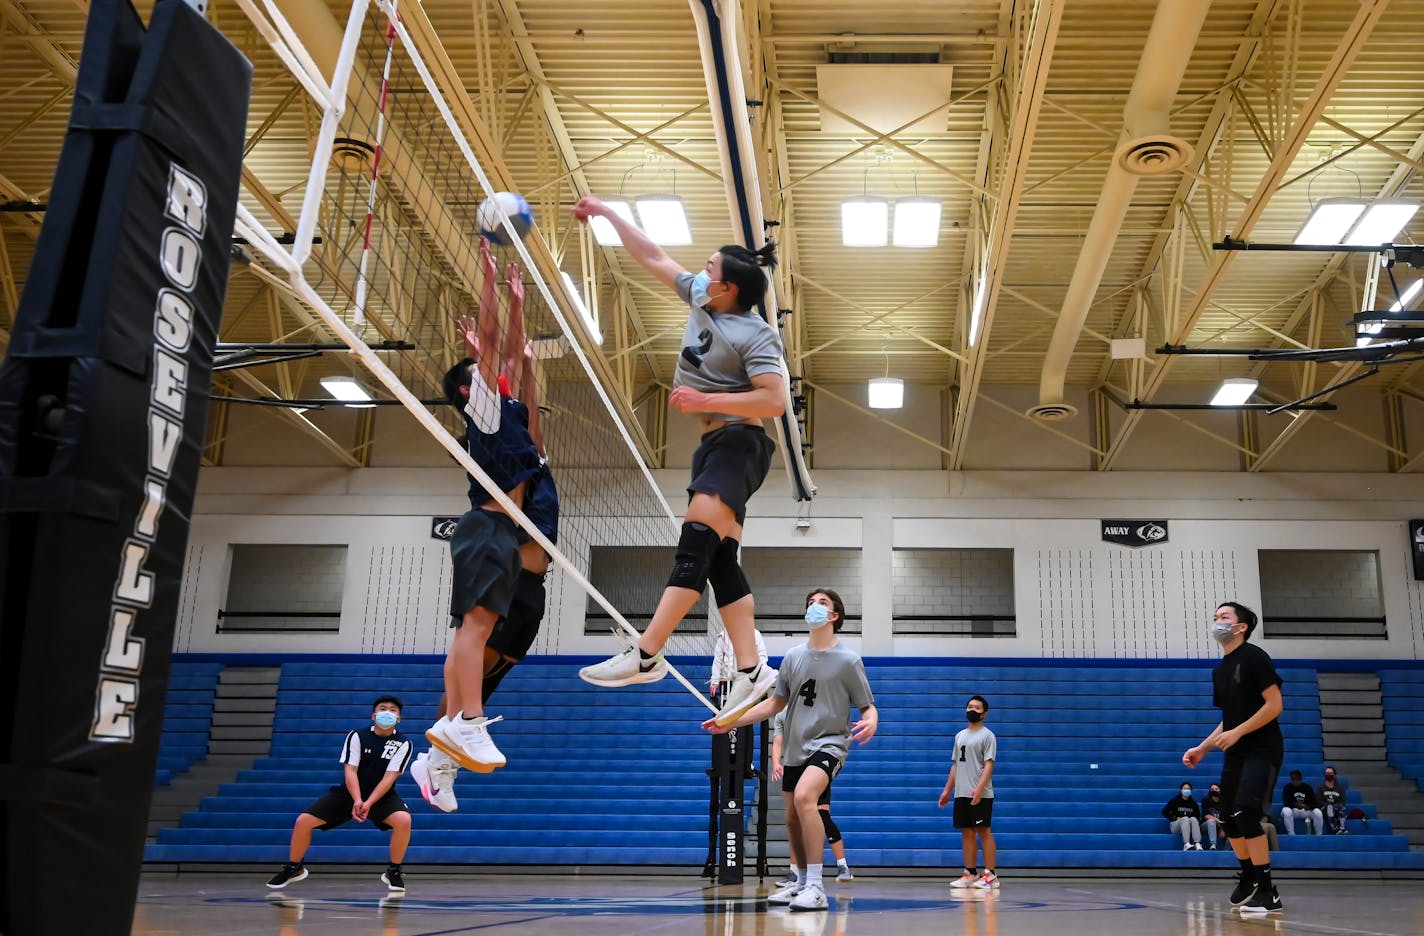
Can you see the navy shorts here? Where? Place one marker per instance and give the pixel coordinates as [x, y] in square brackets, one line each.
[514, 633]
[485, 554]
[969, 816]
[732, 462]
[334, 808]
[830, 763]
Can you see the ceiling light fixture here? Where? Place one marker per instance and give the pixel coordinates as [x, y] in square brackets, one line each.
[917, 222]
[865, 222]
[1355, 222]
[1234, 391]
[347, 390]
[664, 219]
[886, 392]
[603, 229]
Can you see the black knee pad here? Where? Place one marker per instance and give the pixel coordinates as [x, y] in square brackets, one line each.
[833, 832]
[1244, 823]
[514, 633]
[728, 582]
[693, 560]
[496, 668]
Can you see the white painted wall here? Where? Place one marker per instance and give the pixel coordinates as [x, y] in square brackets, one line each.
[1074, 595]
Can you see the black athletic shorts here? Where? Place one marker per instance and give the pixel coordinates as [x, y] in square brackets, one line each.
[1248, 781]
[334, 808]
[732, 462]
[830, 763]
[485, 555]
[969, 816]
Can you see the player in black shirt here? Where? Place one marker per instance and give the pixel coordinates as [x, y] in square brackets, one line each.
[374, 757]
[1247, 690]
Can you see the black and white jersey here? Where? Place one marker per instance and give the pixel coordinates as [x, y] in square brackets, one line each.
[374, 756]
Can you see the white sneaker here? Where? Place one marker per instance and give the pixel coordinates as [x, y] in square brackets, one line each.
[784, 896]
[443, 771]
[965, 880]
[625, 669]
[987, 881]
[1187, 846]
[468, 743]
[744, 692]
[843, 874]
[811, 897]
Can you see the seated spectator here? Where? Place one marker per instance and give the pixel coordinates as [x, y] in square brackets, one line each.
[1211, 814]
[1298, 802]
[1184, 817]
[1331, 797]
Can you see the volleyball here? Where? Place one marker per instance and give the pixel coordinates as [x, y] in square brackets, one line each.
[495, 209]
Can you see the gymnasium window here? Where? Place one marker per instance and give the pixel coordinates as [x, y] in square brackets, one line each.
[632, 578]
[284, 589]
[781, 577]
[1321, 594]
[954, 592]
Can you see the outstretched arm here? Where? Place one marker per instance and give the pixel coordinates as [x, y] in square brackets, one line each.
[640, 247]
[512, 352]
[481, 334]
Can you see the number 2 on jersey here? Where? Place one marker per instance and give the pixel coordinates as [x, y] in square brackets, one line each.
[807, 692]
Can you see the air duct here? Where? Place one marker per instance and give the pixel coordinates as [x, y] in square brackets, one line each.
[1145, 147]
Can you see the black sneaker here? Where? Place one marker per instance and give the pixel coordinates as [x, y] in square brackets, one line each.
[1243, 892]
[290, 874]
[1263, 903]
[393, 879]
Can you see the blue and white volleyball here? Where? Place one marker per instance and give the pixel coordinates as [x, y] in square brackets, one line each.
[499, 207]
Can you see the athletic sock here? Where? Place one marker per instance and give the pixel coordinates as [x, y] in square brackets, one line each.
[843, 865]
[974, 870]
[1263, 875]
[813, 876]
[796, 871]
[1248, 870]
[750, 670]
[801, 874]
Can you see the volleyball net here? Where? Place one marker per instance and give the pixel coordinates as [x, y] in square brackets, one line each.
[388, 254]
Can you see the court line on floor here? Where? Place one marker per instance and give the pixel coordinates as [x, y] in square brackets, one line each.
[1325, 928]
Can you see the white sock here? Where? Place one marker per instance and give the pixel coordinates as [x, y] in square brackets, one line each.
[469, 719]
[796, 871]
[813, 876]
[800, 876]
[437, 758]
[843, 865]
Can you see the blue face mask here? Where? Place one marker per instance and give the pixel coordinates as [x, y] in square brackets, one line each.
[386, 719]
[817, 615]
[698, 290]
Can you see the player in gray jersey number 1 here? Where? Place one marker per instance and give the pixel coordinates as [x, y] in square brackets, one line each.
[819, 683]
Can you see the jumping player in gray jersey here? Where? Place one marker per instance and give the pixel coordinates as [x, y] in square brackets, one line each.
[820, 681]
[731, 376]
[971, 786]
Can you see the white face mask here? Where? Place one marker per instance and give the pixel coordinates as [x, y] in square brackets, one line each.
[698, 291]
[817, 615]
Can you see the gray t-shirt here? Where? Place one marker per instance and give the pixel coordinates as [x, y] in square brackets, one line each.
[723, 351]
[820, 687]
[972, 749]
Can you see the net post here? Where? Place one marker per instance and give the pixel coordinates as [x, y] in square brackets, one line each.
[763, 798]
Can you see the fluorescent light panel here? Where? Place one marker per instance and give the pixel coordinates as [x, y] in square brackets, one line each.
[1381, 223]
[664, 219]
[1330, 221]
[603, 230]
[886, 393]
[865, 222]
[345, 389]
[917, 222]
[589, 321]
[1234, 392]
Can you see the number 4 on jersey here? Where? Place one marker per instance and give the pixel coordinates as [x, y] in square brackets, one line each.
[807, 692]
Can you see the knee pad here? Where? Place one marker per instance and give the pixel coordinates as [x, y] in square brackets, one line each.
[725, 576]
[833, 832]
[1244, 823]
[514, 633]
[496, 668]
[693, 560]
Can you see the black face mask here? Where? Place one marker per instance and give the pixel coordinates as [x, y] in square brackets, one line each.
[973, 716]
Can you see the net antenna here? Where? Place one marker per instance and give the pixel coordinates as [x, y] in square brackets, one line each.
[398, 255]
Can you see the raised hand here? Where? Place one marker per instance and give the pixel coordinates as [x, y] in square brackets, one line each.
[588, 207]
[515, 279]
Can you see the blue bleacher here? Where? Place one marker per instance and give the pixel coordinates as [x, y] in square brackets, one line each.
[1088, 755]
[187, 717]
[1403, 694]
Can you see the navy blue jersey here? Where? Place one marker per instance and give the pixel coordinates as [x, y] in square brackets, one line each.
[374, 756]
[497, 438]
